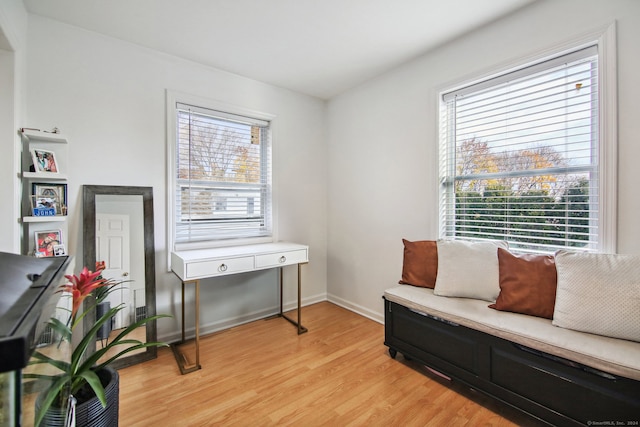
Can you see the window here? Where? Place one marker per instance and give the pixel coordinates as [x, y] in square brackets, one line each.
[221, 176]
[520, 157]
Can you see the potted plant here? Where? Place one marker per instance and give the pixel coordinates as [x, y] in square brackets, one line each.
[85, 376]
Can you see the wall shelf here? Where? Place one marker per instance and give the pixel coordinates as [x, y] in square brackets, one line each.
[44, 176]
[56, 218]
[32, 226]
[30, 135]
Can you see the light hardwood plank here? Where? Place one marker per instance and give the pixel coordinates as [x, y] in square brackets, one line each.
[337, 374]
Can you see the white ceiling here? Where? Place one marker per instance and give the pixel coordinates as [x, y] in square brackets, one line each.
[316, 47]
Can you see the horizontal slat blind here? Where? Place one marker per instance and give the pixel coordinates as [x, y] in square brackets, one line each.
[519, 157]
[223, 182]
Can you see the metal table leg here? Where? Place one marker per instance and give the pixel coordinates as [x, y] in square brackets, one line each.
[183, 362]
[301, 329]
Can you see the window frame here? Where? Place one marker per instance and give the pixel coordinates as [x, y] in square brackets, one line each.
[605, 41]
[172, 100]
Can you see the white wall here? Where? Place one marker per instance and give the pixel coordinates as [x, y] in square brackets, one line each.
[8, 163]
[383, 182]
[13, 30]
[108, 97]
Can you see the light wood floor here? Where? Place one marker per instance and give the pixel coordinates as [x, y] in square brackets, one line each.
[337, 374]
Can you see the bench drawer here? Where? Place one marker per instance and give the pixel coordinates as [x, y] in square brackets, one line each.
[443, 340]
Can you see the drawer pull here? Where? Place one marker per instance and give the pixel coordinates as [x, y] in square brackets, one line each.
[222, 268]
[282, 259]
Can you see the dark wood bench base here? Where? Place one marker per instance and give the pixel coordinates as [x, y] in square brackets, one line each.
[549, 388]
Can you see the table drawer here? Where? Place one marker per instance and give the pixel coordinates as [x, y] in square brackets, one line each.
[218, 267]
[281, 258]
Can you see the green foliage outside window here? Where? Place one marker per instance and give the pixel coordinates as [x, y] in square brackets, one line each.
[528, 219]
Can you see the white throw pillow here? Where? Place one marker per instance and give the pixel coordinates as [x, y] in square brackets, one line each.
[598, 293]
[468, 269]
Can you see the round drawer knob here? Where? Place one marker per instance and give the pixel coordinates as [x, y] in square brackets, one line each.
[222, 268]
[282, 259]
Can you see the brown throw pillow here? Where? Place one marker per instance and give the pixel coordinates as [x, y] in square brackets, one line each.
[420, 266]
[527, 284]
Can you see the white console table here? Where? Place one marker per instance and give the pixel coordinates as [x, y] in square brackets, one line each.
[192, 265]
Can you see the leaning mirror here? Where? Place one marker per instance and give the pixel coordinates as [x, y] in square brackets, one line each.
[118, 229]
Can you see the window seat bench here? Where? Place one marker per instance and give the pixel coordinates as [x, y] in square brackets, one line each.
[558, 375]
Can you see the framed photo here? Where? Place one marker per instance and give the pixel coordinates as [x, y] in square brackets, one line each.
[46, 241]
[44, 205]
[50, 192]
[59, 250]
[44, 160]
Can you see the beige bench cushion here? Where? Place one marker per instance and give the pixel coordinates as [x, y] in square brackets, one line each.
[612, 355]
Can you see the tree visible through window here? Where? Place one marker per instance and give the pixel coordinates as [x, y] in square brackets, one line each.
[222, 185]
[519, 157]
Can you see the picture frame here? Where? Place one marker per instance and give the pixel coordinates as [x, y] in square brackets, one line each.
[44, 161]
[59, 250]
[45, 241]
[51, 191]
[44, 206]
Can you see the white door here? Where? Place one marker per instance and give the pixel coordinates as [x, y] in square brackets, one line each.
[112, 247]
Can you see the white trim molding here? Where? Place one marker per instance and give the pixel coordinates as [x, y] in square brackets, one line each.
[608, 135]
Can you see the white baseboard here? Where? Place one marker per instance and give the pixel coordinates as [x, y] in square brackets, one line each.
[291, 305]
[363, 311]
[231, 322]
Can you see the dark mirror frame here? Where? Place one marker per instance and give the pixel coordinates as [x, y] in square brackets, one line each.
[89, 247]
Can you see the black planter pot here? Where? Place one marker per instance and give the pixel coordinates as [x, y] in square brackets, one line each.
[90, 413]
[105, 329]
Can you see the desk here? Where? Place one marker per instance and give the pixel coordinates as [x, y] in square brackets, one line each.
[192, 265]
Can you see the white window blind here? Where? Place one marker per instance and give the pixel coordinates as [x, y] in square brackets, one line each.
[519, 157]
[223, 176]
